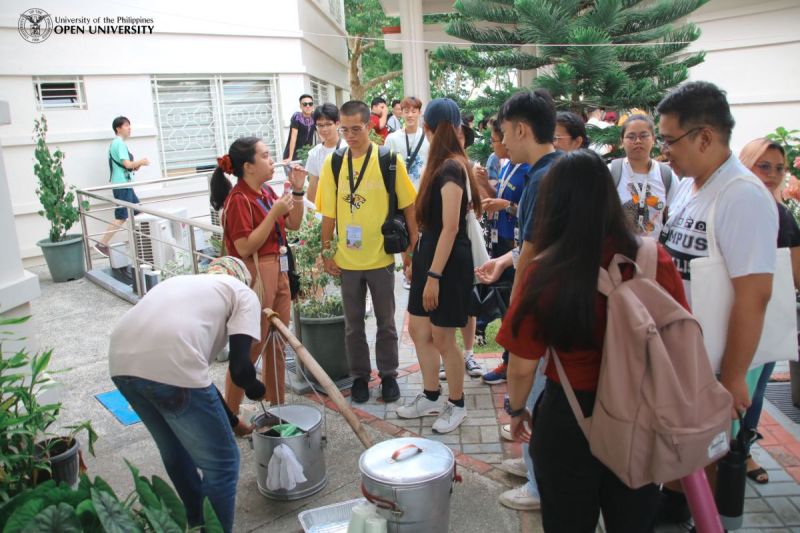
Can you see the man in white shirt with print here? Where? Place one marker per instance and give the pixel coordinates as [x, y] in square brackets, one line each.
[410, 142]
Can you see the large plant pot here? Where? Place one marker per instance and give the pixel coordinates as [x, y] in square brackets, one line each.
[64, 460]
[64, 258]
[324, 339]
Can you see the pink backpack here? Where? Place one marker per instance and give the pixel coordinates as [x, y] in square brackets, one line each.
[660, 413]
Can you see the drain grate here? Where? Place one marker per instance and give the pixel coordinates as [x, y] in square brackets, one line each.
[780, 395]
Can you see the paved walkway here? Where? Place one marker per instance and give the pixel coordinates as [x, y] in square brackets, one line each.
[76, 318]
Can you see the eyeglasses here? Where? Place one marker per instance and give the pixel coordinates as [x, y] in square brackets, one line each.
[324, 125]
[307, 104]
[355, 130]
[767, 168]
[664, 143]
[644, 136]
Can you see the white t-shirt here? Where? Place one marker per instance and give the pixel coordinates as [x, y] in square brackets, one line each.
[316, 157]
[174, 332]
[745, 224]
[397, 142]
[654, 201]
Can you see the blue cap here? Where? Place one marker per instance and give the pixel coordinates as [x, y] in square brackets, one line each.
[442, 110]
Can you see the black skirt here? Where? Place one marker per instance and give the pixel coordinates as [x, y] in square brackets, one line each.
[455, 287]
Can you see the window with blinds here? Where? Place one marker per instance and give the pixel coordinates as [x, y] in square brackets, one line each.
[319, 90]
[199, 118]
[59, 93]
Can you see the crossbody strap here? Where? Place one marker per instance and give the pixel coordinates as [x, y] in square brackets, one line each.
[583, 423]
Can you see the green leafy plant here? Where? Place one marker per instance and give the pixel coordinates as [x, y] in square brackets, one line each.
[790, 141]
[57, 199]
[315, 299]
[94, 507]
[301, 154]
[25, 442]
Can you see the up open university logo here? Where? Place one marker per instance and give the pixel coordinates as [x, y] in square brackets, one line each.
[35, 25]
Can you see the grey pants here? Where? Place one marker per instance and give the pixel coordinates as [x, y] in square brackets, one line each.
[354, 293]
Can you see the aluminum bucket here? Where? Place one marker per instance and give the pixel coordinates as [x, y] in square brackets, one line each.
[306, 447]
[410, 480]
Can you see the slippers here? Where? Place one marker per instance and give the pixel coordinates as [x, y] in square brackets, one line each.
[759, 475]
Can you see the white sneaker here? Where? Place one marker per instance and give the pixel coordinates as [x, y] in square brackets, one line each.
[406, 284]
[450, 418]
[419, 407]
[442, 373]
[520, 499]
[368, 306]
[505, 432]
[473, 368]
[516, 467]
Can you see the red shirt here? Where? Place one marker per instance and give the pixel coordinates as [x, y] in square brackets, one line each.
[240, 221]
[582, 365]
[375, 122]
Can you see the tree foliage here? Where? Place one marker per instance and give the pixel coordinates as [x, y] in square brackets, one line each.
[374, 71]
[616, 53]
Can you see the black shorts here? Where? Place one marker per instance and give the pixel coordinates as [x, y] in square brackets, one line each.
[125, 194]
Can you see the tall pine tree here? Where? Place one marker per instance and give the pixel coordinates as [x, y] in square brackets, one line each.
[617, 53]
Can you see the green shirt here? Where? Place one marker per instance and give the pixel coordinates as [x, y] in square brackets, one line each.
[118, 152]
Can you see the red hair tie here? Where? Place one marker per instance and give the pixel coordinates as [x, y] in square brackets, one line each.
[225, 164]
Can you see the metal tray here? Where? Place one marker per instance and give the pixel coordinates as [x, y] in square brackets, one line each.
[330, 518]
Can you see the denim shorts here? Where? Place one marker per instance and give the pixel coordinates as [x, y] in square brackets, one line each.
[125, 194]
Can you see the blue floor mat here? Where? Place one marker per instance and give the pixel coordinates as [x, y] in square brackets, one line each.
[115, 402]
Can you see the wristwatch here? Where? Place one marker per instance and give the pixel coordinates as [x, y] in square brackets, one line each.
[512, 412]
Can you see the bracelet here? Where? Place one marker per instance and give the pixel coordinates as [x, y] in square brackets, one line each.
[434, 275]
[410, 254]
[301, 193]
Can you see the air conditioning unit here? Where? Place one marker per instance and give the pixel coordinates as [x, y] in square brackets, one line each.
[215, 219]
[153, 240]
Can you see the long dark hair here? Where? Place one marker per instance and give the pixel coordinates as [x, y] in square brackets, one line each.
[243, 150]
[574, 126]
[577, 213]
[444, 147]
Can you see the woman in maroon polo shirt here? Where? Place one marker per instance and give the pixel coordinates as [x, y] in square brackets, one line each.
[254, 222]
[579, 225]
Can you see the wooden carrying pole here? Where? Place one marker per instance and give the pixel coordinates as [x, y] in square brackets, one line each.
[322, 378]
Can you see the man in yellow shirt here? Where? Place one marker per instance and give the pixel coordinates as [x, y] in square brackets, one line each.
[356, 203]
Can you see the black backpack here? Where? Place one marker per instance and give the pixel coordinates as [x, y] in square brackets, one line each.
[394, 229]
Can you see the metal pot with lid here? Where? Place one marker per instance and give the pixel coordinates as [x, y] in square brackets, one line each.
[410, 480]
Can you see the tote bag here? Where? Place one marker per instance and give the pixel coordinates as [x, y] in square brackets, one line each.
[474, 231]
[712, 299]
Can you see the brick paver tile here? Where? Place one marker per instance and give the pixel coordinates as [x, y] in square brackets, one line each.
[470, 434]
[490, 434]
[779, 489]
[475, 449]
[786, 511]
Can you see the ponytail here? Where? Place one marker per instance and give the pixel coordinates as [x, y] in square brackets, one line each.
[243, 150]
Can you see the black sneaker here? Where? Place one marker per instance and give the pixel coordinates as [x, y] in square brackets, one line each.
[673, 508]
[390, 391]
[360, 390]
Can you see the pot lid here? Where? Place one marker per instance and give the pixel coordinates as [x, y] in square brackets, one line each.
[406, 461]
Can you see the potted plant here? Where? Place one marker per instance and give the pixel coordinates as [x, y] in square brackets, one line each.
[94, 506]
[319, 315]
[63, 252]
[29, 453]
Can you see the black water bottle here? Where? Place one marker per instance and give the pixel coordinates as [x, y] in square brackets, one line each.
[729, 496]
[731, 478]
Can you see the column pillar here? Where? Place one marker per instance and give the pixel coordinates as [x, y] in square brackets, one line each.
[416, 80]
[17, 286]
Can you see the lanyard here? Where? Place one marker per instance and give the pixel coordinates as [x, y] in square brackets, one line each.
[501, 187]
[266, 204]
[354, 186]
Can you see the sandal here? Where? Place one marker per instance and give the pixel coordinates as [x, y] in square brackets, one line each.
[759, 475]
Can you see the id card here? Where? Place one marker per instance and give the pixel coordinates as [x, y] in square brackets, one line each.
[495, 236]
[284, 261]
[516, 233]
[354, 237]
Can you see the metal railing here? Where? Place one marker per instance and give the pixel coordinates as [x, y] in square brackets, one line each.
[133, 210]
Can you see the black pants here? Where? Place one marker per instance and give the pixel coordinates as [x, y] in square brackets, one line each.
[574, 486]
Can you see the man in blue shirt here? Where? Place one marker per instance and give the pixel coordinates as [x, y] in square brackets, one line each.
[528, 121]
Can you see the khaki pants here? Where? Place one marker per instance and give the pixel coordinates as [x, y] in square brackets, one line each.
[277, 297]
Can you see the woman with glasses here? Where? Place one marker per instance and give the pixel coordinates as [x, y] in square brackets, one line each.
[767, 160]
[570, 132]
[301, 129]
[645, 186]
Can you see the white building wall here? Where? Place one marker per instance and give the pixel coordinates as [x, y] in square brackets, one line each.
[752, 51]
[290, 39]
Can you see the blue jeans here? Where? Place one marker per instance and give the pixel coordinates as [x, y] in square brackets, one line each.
[192, 433]
[536, 391]
[757, 402]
